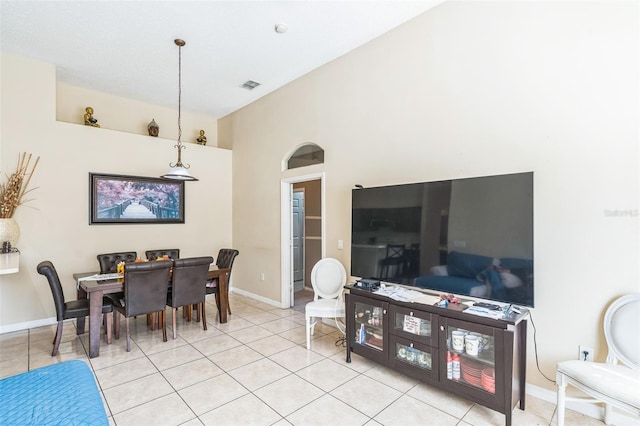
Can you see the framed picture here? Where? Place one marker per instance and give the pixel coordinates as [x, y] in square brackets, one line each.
[120, 199]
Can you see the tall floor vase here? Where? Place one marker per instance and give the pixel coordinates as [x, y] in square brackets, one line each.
[9, 231]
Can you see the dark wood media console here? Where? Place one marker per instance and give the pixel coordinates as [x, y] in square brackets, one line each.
[486, 356]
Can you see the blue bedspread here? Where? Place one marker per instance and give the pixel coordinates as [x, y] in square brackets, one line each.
[59, 394]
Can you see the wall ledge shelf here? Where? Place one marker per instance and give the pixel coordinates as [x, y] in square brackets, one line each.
[142, 136]
[10, 263]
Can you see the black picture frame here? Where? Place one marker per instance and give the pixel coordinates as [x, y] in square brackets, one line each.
[121, 199]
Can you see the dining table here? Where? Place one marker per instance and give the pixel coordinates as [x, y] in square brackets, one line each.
[96, 289]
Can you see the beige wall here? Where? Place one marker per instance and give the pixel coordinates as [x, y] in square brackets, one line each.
[469, 89]
[127, 115]
[54, 225]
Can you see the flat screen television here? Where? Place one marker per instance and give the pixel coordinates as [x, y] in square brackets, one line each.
[470, 237]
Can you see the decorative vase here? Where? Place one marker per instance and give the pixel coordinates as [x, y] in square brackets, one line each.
[9, 230]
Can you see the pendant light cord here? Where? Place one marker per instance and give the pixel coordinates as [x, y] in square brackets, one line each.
[179, 145]
[179, 95]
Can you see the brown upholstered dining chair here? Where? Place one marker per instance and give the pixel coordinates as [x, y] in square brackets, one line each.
[225, 259]
[72, 309]
[172, 254]
[145, 292]
[188, 286]
[109, 264]
[109, 261]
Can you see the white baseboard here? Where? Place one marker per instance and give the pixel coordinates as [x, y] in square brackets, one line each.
[255, 297]
[27, 325]
[586, 408]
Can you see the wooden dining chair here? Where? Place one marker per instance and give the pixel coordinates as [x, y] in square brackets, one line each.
[225, 259]
[145, 292]
[72, 309]
[188, 286]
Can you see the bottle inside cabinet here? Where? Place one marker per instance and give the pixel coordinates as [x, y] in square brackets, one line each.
[369, 329]
[473, 354]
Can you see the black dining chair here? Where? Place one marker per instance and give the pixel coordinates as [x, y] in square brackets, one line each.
[72, 309]
[172, 254]
[109, 264]
[109, 261]
[188, 286]
[225, 259]
[145, 292]
[391, 264]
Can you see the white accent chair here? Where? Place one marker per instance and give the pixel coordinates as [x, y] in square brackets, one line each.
[609, 382]
[328, 278]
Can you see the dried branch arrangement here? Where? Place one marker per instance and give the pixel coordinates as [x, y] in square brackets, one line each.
[12, 193]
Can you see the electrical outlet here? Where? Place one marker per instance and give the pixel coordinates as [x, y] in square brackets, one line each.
[585, 353]
[262, 276]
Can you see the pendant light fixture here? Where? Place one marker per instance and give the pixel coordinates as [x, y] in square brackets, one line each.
[178, 170]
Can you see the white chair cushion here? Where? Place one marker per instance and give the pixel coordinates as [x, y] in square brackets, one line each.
[617, 381]
[325, 308]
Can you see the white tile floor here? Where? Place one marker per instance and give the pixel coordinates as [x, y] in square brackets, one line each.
[254, 370]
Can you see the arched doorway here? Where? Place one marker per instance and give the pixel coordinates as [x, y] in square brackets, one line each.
[302, 217]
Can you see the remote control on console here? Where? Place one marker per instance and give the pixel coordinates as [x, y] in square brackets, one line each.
[490, 306]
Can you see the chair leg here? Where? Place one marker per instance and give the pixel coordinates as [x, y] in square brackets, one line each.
[163, 316]
[116, 324]
[57, 339]
[173, 322]
[217, 302]
[152, 319]
[126, 320]
[228, 303]
[198, 313]
[562, 385]
[108, 319]
[204, 316]
[308, 328]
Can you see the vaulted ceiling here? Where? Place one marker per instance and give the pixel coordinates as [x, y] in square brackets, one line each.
[126, 48]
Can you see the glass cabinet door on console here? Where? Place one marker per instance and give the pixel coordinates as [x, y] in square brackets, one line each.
[414, 342]
[366, 327]
[413, 358]
[472, 360]
[414, 325]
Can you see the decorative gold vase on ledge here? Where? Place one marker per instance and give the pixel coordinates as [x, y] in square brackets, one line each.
[9, 231]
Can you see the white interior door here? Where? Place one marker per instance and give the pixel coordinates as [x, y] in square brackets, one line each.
[286, 242]
[297, 222]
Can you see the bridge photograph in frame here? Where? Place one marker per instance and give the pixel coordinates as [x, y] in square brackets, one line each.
[118, 199]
